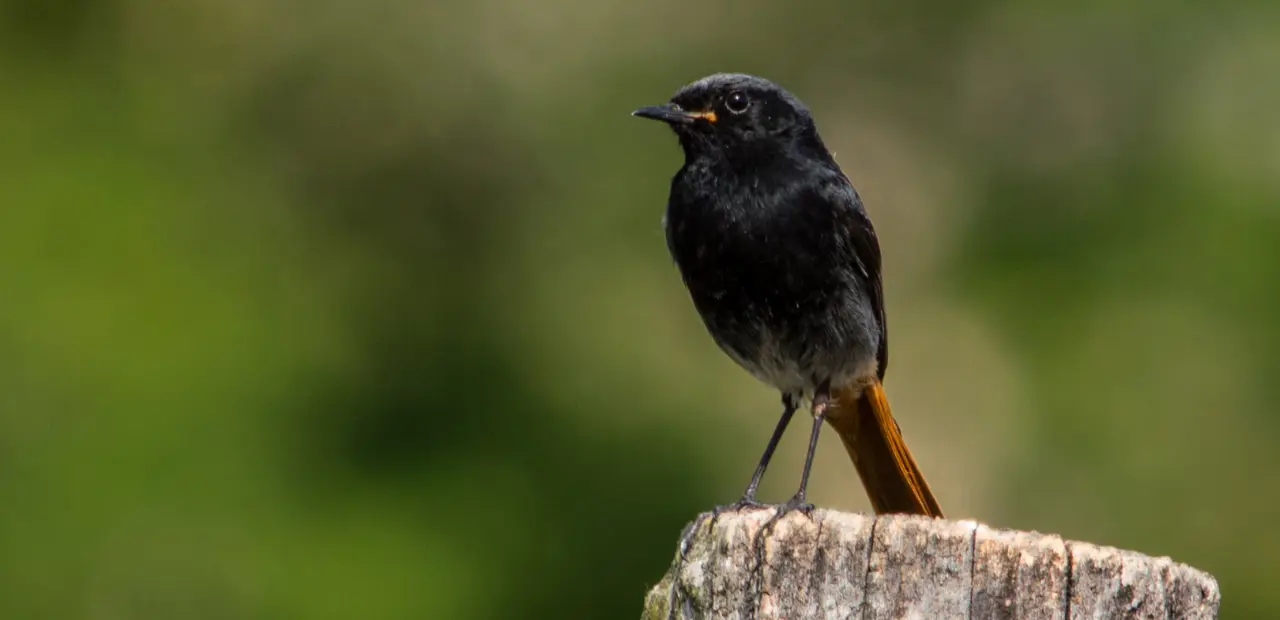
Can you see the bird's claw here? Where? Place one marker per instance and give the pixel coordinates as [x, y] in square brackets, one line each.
[795, 504]
[745, 503]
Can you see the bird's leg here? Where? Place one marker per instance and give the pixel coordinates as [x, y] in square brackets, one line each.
[749, 496]
[821, 400]
[748, 499]
[819, 415]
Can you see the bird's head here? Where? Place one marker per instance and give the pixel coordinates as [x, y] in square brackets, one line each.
[733, 113]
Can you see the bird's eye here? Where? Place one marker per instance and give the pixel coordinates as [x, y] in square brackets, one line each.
[736, 102]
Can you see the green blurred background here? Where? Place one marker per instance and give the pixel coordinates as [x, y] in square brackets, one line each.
[363, 310]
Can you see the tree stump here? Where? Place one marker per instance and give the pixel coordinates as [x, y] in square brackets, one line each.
[837, 565]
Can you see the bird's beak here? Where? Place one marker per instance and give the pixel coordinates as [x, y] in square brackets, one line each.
[672, 114]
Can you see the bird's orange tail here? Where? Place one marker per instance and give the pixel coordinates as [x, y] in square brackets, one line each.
[861, 416]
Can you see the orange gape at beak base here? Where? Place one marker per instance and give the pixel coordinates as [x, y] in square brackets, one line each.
[862, 418]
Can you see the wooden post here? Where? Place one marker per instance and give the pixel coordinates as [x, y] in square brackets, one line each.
[838, 565]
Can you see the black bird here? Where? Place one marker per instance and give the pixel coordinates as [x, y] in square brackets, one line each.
[783, 265]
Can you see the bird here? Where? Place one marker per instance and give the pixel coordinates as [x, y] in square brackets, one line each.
[782, 264]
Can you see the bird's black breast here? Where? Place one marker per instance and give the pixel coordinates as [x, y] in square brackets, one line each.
[773, 269]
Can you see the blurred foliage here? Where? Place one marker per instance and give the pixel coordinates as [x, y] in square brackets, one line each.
[322, 310]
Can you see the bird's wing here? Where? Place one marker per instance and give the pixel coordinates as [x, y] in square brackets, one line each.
[866, 254]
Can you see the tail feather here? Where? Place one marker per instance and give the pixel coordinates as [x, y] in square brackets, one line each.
[862, 418]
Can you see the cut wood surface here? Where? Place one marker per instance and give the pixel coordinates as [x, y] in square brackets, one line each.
[831, 564]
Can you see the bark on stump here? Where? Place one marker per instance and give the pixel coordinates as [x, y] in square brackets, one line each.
[838, 565]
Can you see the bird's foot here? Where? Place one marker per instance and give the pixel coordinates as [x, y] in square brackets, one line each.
[747, 502]
[795, 504]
